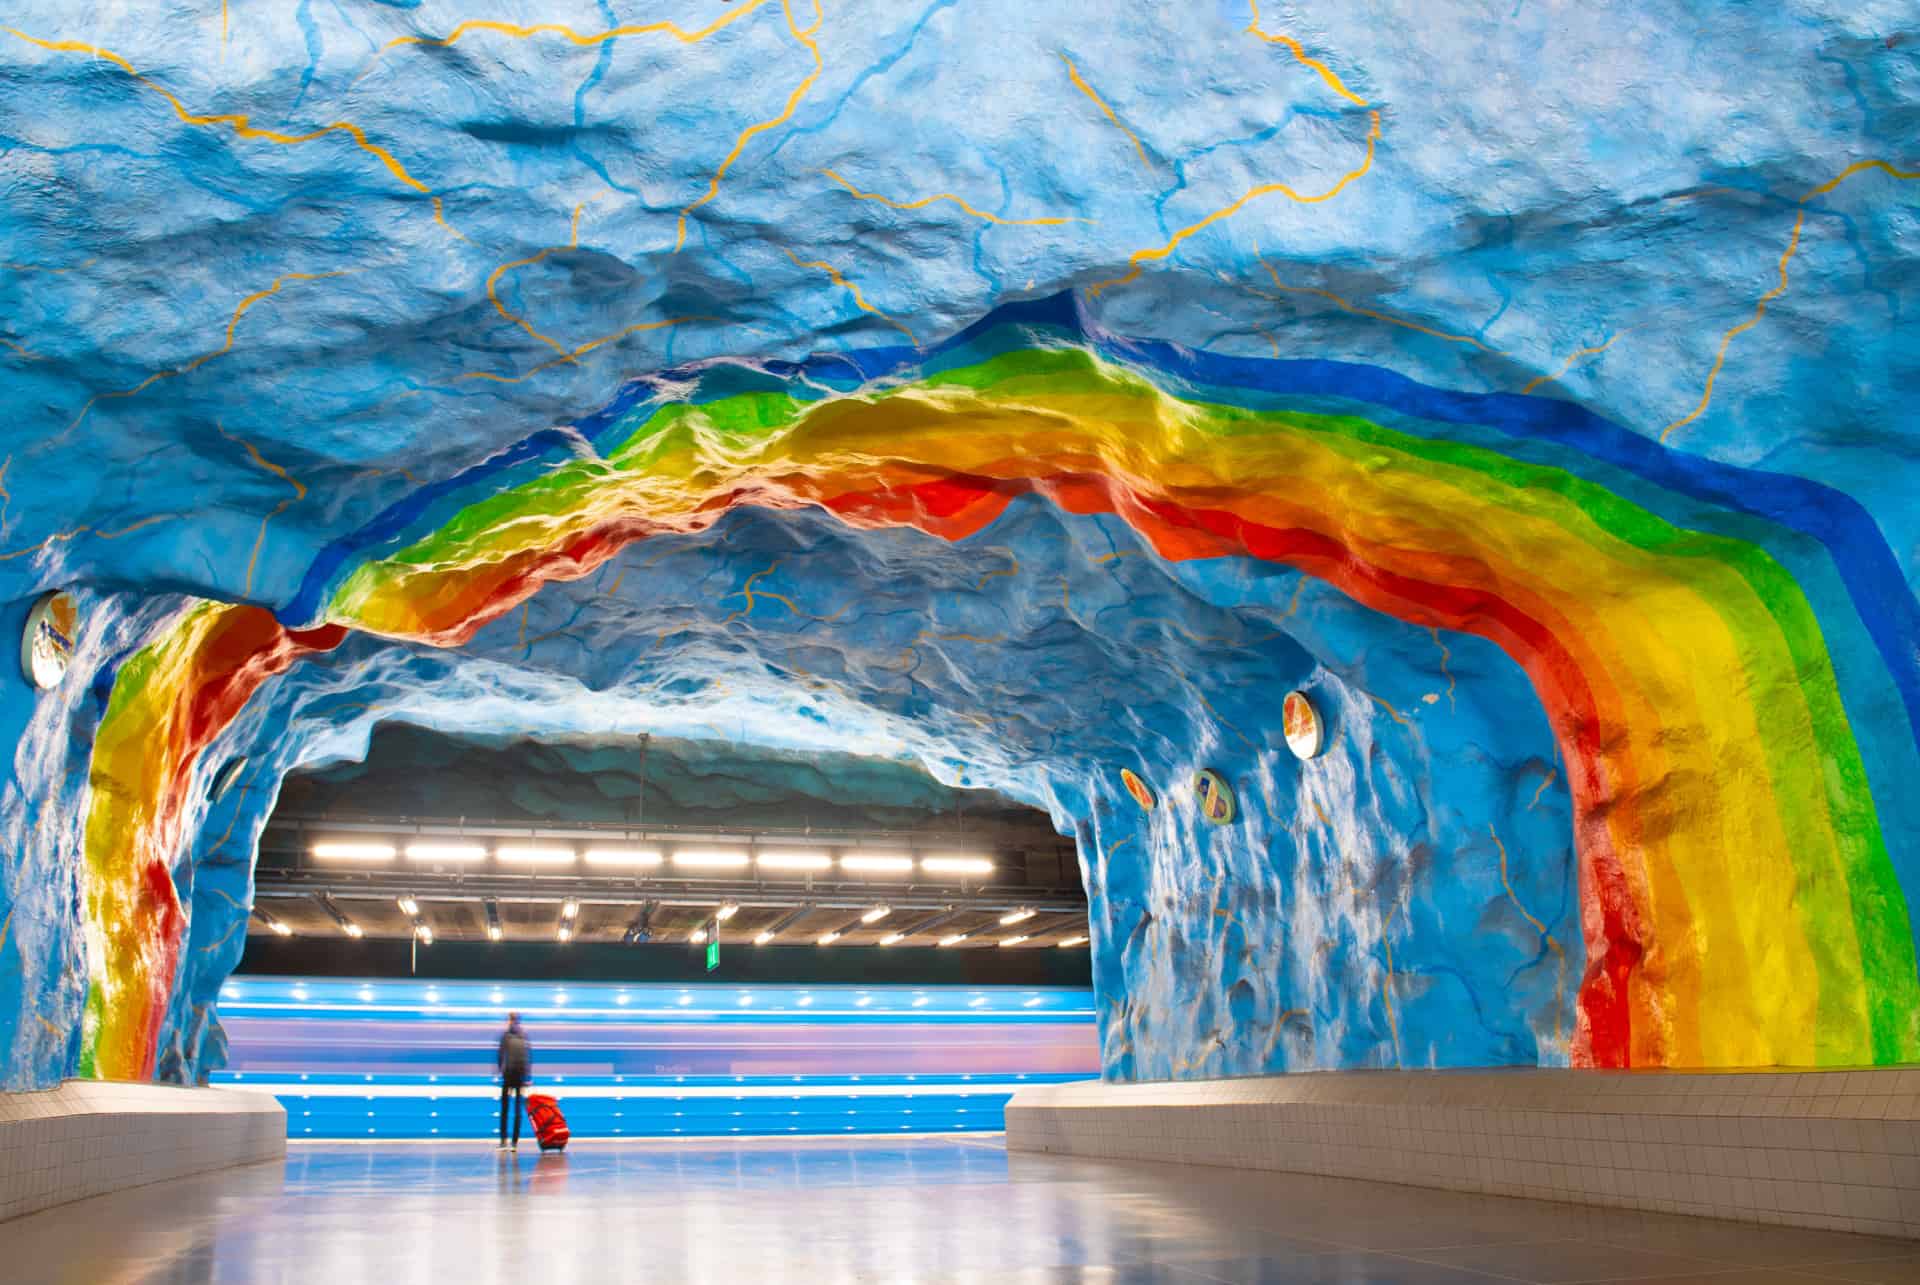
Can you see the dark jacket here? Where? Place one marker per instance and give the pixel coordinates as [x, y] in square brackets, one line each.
[515, 1057]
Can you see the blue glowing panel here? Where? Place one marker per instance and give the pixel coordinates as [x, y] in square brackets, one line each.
[414, 1059]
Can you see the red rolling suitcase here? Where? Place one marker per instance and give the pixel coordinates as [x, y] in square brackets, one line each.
[549, 1126]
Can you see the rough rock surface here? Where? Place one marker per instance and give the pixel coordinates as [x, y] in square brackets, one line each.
[410, 771]
[1526, 386]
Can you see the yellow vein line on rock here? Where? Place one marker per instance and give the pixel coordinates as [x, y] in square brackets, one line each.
[233, 323]
[1101, 103]
[859, 299]
[1780, 288]
[759, 127]
[925, 201]
[1293, 47]
[1139, 257]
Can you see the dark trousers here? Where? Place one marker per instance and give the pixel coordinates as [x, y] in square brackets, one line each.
[512, 1099]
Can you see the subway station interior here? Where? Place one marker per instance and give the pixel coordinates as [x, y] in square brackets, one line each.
[810, 640]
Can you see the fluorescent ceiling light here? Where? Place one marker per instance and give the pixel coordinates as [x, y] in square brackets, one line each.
[353, 929]
[569, 908]
[1074, 941]
[1013, 941]
[408, 906]
[875, 915]
[794, 861]
[425, 933]
[281, 928]
[763, 938]
[353, 851]
[874, 863]
[493, 932]
[954, 940]
[709, 859]
[727, 911]
[565, 934]
[1018, 916]
[449, 852]
[697, 936]
[829, 938]
[891, 938]
[623, 858]
[535, 856]
[956, 865]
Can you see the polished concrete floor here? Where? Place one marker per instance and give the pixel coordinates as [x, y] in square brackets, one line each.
[888, 1209]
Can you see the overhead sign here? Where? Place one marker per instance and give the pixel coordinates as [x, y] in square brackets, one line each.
[713, 944]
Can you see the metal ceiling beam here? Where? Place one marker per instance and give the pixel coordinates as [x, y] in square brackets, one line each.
[304, 827]
[628, 891]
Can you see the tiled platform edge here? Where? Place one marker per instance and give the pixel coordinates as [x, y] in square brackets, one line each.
[1833, 1149]
[88, 1138]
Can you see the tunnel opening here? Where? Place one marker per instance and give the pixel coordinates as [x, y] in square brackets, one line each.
[643, 841]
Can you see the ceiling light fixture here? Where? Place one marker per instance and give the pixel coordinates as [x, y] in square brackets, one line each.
[494, 933]
[623, 858]
[874, 863]
[1073, 941]
[569, 909]
[280, 927]
[891, 938]
[697, 936]
[827, 939]
[409, 907]
[449, 853]
[565, 933]
[353, 930]
[425, 933]
[1019, 916]
[763, 938]
[709, 859]
[956, 865]
[954, 940]
[535, 856]
[875, 915]
[353, 851]
[1013, 941]
[793, 861]
[728, 909]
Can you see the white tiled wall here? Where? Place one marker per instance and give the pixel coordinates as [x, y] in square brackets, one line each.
[87, 1138]
[1835, 1149]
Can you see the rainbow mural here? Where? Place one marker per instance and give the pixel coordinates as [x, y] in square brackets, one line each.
[1730, 658]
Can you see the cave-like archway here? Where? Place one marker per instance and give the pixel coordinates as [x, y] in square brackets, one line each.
[1706, 643]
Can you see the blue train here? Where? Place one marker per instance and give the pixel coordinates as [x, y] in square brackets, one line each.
[387, 1059]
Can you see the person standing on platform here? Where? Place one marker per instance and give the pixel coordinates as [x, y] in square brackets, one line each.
[515, 1060]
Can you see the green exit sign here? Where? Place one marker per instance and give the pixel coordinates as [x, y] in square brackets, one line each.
[713, 945]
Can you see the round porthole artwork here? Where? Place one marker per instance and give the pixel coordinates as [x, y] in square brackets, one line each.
[1216, 797]
[1142, 792]
[223, 779]
[1301, 723]
[47, 648]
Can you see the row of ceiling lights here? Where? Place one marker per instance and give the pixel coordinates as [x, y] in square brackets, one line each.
[546, 856]
[570, 913]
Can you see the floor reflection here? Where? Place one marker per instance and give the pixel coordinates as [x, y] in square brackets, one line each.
[885, 1209]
